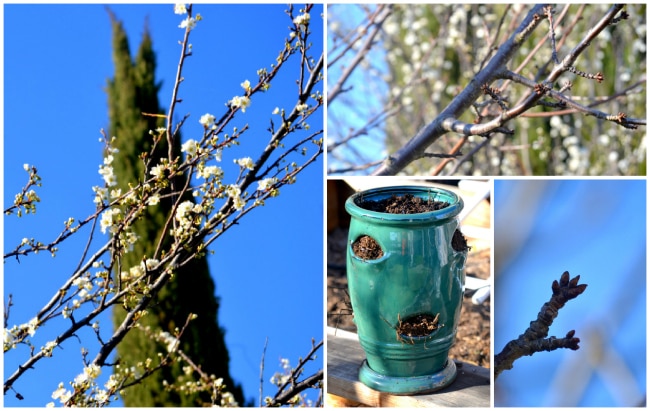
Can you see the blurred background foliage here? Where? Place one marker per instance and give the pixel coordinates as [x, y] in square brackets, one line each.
[431, 52]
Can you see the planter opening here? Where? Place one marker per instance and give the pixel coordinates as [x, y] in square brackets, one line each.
[366, 248]
[419, 325]
[406, 204]
[459, 242]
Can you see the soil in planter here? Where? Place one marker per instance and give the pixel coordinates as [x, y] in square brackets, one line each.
[365, 247]
[406, 204]
[459, 242]
[417, 326]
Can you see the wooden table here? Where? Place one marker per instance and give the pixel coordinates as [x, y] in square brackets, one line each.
[344, 357]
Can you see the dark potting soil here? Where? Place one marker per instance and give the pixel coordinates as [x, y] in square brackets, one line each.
[459, 242]
[406, 204]
[417, 326]
[365, 247]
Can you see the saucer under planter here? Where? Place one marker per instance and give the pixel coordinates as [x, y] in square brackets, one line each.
[406, 297]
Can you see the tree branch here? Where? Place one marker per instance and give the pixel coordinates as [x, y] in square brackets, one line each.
[427, 135]
[534, 339]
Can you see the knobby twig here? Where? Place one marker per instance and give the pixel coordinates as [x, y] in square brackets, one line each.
[534, 339]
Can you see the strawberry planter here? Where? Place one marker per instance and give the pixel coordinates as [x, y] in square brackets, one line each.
[406, 281]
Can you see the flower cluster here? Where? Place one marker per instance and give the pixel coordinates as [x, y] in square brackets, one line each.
[110, 220]
[240, 102]
[171, 342]
[280, 378]
[83, 382]
[266, 183]
[108, 174]
[245, 162]
[207, 120]
[191, 147]
[233, 191]
[158, 171]
[18, 333]
[138, 271]
[84, 284]
[106, 170]
[188, 218]
[302, 19]
[210, 171]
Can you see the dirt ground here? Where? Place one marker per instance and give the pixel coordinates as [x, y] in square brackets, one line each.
[472, 343]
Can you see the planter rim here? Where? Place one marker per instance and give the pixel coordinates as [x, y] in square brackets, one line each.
[451, 211]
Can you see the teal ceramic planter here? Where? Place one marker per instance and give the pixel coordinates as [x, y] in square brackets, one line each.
[419, 273]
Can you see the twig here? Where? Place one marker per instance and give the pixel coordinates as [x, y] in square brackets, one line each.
[534, 338]
[266, 343]
[291, 388]
[382, 13]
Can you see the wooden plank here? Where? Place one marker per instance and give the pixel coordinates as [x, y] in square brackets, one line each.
[344, 357]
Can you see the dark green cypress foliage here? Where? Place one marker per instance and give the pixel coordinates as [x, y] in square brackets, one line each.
[131, 92]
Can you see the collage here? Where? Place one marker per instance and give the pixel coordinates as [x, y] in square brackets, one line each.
[338, 205]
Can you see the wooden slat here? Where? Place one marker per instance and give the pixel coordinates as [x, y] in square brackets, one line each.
[344, 357]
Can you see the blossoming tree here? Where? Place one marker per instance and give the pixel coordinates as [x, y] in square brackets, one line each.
[206, 202]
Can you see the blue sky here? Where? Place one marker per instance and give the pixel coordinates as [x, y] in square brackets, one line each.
[268, 270]
[592, 228]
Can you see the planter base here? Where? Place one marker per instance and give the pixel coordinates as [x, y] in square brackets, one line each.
[408, 385]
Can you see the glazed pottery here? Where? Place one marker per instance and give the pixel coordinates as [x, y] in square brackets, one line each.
[419, 273]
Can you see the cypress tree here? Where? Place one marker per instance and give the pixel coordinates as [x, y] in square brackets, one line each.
[131, 92]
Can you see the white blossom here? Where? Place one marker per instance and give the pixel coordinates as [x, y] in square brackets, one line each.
[154, 199]
[109, 218]
[180, 8]
[265, 184]
[228, 400]
[207, 120]
[107, 173]
[61, 394]
[158, 171]
[92, 371]
[191, 147]
[101, 396]
[32, 326]
[171, 341]
[240, 101]
[245, 162]
[189, 23]
[233, 190]
[150, 264]
[302, 19]
[238, 203]
[208, 171]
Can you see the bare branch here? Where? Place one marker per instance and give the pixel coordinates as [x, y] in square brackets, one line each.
[534, 339]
